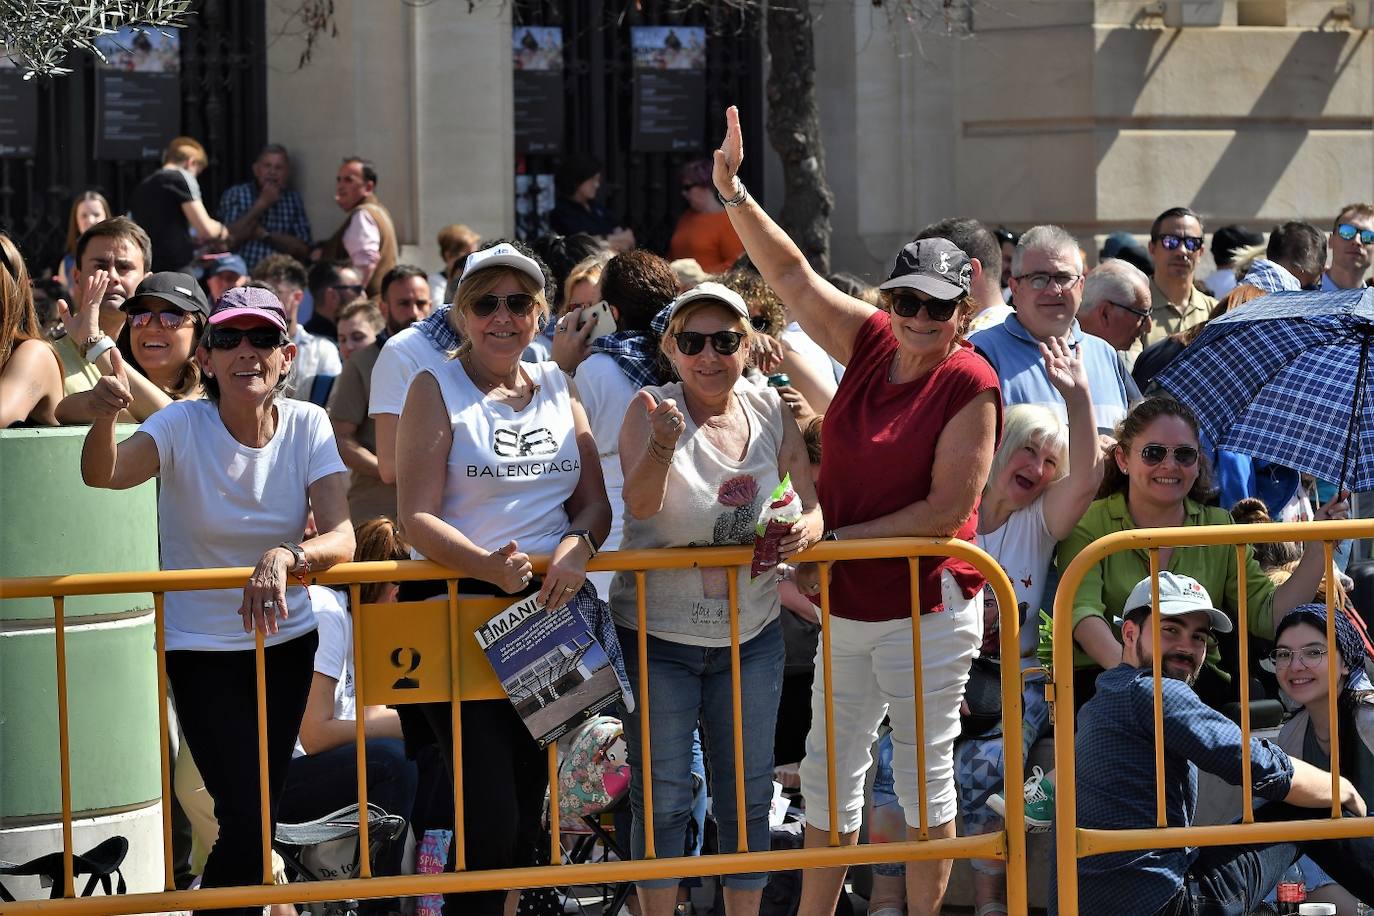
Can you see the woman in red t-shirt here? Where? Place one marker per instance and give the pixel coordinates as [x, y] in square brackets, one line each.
[907, 444]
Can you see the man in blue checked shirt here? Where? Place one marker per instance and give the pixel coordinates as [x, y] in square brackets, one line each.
[265, 216]
[1116, 778]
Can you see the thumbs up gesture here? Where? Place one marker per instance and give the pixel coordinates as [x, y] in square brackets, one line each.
[111, 394]
[665, 420]
[509, 568]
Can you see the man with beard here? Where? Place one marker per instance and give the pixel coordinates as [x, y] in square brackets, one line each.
[1352, 248]
[404, 301]
[1115, 752]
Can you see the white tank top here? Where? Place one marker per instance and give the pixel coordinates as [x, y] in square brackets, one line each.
[509, 472]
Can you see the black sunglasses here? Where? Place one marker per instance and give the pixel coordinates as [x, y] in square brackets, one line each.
[354, 288]
[1185, 456]
[516, 303]
[908, 304]
[760, 323]
[690, 343]
[230, 338]
[171, 320]
[1189, 242]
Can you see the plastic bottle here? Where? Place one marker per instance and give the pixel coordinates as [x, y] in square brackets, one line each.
[779, 380]
[1291, 892]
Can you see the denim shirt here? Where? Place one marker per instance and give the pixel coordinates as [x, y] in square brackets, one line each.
[1116, 783]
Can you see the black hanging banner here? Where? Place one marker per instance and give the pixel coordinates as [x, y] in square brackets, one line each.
[670, 88]
[18, 112]
[538, 59]
[138, 93]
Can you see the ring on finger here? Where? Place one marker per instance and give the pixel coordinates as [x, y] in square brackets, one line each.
[269, 604]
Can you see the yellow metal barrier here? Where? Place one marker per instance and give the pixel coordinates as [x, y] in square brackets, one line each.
[1073, 842]
[422, 652]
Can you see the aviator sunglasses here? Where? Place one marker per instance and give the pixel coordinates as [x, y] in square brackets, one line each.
[907, 305]
[230, 338]
[1349, 232]
[518, 304]
[170, 320]
[1185, 456]
[690, 343]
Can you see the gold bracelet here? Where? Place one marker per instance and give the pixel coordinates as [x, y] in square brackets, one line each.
[657, 455]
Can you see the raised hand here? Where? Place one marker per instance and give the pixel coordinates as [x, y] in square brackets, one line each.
[85, 323]
[1337, 509]
[765, 353]
[1064, 365]
[729, 157]
[572, 340]
[665, 420]
[111, 393]
[510, 569]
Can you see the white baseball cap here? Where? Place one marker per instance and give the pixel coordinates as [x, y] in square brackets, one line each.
[716, 292]
[502, 255]
[1178, 595]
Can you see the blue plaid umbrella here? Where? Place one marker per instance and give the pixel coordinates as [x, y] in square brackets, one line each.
[1286, 378]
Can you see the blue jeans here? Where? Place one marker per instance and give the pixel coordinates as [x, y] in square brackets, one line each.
[1232, 880]
[691, 684]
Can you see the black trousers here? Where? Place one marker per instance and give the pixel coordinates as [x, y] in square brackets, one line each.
[216, 695]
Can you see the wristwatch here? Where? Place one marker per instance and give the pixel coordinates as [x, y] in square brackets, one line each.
[302, 568]
[93, 347]
[586, 536]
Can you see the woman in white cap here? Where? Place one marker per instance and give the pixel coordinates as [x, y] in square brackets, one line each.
[701, 456]
[908, 440]
[238, 474]
[495, 461]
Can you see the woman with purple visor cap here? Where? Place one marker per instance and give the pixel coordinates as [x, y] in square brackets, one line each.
[238, 473]
[1299, 659]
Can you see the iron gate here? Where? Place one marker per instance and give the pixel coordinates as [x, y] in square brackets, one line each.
[223, 105]
[598, 86]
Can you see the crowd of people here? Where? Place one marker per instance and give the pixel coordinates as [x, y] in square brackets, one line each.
[303, 403]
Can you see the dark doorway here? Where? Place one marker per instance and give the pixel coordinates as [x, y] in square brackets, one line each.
[223, 105]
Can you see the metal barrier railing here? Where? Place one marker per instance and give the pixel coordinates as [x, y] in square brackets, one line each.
[459, 671]
[1073, 842]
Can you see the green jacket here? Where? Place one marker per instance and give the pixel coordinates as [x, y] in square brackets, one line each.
[1107, 585]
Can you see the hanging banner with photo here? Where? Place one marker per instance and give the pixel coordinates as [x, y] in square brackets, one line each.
[137, 93]
[18, 111]
[670, 88]
[538, 58]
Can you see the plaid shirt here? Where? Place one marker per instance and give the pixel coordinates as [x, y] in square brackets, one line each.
[438, 331]
[1116, 779]
[637, 353]
[286, 216]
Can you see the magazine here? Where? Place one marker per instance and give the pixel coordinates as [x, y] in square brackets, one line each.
[552, 668]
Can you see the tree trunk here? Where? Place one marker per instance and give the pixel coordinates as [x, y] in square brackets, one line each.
[794, 129]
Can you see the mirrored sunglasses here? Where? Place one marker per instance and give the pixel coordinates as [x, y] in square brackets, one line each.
[170, 319]
[1349, 233]
[1189, 242]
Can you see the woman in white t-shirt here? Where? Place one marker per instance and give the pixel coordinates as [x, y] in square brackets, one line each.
[238, 472]
[700, 458]
[1044, 476]
[495, 461]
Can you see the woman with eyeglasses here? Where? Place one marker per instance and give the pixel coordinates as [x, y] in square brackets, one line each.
[1299, 659]
[239, 472]
[495, 461]
[703, 231]
[163, 326]
[1156, 477]
[909, 438]
[701, 456]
